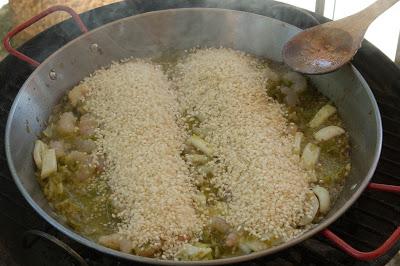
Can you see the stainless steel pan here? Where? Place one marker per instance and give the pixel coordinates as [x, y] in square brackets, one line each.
[156, 33]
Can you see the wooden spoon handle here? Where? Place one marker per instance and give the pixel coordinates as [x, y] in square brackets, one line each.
[370, 13]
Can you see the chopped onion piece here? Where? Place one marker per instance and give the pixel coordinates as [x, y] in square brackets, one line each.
[49, 163]
[310, 155]
[110, 241]
[125, 245]
[200, 117]
[38, 151]
[299, 83]
[202, 132]
[205, 170]
[298, 137]
[219, 224]
[291, 97]
[323, 198]
[190, 252]
[253, 244]
[322, 115]
[328, 132]
[201, 145]
[198, 132]
[197, 158]
[48, 132]
[77, 94]
[244, 248]
[232, 239]
[307, 219]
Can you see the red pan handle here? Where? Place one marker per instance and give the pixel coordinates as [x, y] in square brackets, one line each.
[386, 246]
[24, 25]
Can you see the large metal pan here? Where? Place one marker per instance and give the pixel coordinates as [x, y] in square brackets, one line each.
[156, 33]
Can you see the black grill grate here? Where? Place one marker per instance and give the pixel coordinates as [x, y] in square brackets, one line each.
[366, 225]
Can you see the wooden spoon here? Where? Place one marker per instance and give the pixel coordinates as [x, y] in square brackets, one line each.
[327, 47]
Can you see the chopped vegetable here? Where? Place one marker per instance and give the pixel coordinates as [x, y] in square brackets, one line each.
[232, 239]
[205, 170]
[85, 145]
[322, 115]
[201, 245]
[48, 132]
[38, 151]
[328, 133]
[53, 188]
[253, 244]
[76, 157]
[298, 82]
[292, 128]
[200, 117]
[147, 251]
[244, 248]
[307, 219]
[201, 145]
[197, 158]
[310, 155]
[190, 252]
[59, 146]
[125, 245]
[87, 125]
[76, 94]
[298, 137]
[220, 225]
[291, 97]
[116, 241]
[111, 241]
[294, 84]
[66, 124]
[84, 172]
[49, 163]
[323, 198]
[202, 132]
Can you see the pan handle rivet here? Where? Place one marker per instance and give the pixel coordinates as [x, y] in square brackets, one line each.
[94, 48]
[53, 74]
